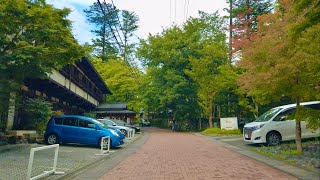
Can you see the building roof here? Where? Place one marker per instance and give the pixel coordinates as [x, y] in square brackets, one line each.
[86, 66]
[112, 106]
[116, 112]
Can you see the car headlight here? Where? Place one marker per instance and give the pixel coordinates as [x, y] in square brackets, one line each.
[257, 127]
[114, 132]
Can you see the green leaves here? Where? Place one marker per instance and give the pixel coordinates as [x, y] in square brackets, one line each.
[122, 83]
[40, 112]
[35, 36]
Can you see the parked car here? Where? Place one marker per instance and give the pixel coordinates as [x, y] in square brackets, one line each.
[278, 125]
[81, 130]
[112, 124]
[122, 123]
[145, 122]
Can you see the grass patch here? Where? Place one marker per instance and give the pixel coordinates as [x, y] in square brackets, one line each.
[218, 131]
[287, 152]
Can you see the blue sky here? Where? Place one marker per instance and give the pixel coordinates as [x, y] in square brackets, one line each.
[154, 15]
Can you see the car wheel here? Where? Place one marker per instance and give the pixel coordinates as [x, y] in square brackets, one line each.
[52, 139]
[273, 138]
[123, 131]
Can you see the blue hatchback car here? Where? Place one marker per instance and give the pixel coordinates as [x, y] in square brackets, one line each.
[81, 130]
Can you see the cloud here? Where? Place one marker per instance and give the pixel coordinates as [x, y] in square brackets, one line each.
[155, 15]
[80, 29]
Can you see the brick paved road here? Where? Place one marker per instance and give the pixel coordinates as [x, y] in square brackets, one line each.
[170, 155]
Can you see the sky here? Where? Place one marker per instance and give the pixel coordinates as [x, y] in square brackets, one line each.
[154, 15]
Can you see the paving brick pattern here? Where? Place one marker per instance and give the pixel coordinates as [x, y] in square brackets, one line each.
[71, 158]
[173, 156]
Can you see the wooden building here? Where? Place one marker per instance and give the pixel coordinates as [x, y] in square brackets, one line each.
[74, 89]
[115, 111]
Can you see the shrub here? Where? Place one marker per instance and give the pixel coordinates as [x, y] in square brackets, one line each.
[218, 131]
[89, 114]
[40, 111]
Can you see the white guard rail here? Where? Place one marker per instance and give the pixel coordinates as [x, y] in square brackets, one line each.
[45, 173]
[104, 145]
[131, 133]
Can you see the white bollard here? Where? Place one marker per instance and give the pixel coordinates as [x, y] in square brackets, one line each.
[103, 145]
[130, 134]
[45, 173]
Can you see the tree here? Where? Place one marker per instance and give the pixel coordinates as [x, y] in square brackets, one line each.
[167, 88]
[40, 110]
[204, 70]
[180, 61]
[122, 83]
[282, 60]
[104, 17]
[34, 39]
[243, 16]
[114, 29]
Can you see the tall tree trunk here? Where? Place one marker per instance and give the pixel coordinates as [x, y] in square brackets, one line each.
[256, 108]
[298, 126]
[230, 32]
[210, 116]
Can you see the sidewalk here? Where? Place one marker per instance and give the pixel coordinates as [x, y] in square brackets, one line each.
[71, 159]
[290, 169]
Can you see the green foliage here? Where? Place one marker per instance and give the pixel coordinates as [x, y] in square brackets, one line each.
[218, 131]
[178, 61]
[160, 122]
[281, 62]
[90, 114]
[311, 116]
[40, 112]
[34, 39]
[107, 23]
[287, 151]
[57, 113]
[122, 83]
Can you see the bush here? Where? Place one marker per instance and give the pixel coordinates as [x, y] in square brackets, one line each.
[89, 114]
[159, 122]
[218, 131]
[40, 111]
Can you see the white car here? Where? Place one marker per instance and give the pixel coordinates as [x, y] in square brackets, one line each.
[112, 124]
[277, 125]
[145, 122]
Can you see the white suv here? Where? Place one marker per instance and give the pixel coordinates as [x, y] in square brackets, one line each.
[277, 125]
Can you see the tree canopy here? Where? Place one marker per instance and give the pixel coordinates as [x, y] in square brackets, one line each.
[282, 60]
[34, 38]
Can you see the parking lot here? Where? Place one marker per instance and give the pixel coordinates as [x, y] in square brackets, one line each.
[72, 158]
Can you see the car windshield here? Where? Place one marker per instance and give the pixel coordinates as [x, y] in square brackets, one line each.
[101, 124]
[268, 115]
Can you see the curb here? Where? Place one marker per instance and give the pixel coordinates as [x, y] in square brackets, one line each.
[280, 165]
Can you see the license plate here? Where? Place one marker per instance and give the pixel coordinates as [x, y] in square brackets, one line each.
[246, 136]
